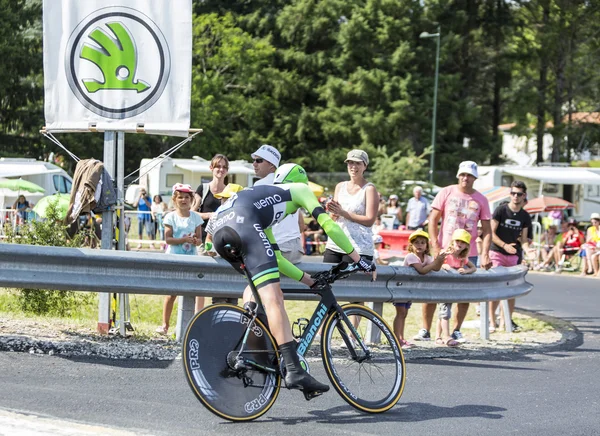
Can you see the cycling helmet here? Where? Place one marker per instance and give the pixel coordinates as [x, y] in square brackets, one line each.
[290, 173]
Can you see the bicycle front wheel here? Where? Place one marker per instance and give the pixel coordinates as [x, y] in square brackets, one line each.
[371, 380]
[211, 343]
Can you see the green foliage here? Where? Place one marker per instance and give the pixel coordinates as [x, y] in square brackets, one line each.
[50, 232]
[390, 171]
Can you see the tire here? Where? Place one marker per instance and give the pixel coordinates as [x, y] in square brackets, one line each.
[374, 385]
[211, 336]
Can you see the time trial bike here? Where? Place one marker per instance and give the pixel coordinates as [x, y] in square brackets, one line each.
[232, 363]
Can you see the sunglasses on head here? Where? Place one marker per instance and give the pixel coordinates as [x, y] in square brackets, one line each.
[258, 160]
[518, 194]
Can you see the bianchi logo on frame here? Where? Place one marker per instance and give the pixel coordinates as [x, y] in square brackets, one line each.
[117, 62]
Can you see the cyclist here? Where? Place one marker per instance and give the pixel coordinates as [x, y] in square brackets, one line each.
[243, 225]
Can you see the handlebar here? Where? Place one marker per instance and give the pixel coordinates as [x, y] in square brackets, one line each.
[339, 271]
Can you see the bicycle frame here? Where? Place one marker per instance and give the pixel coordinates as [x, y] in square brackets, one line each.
[326, 306]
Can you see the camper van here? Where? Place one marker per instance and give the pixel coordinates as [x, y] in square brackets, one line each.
[580, 186]
[159, 175]
[50, 177]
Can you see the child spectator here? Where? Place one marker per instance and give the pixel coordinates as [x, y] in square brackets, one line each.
[313, 236]
[378, 243]
[209, 250]
[420, 259]
[457, 258]
[183, 233]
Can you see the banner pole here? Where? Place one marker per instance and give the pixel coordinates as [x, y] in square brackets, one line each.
[107, 232]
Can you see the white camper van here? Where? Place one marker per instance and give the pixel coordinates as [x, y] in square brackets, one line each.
[159, 175]
[580, 186]
[50, 177]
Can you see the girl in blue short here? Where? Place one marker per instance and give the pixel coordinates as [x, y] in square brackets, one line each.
[183, 233]
[419, 258]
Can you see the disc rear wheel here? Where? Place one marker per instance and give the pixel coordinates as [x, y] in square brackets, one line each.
[210, 346]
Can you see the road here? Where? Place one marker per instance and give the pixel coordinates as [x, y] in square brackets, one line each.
[555, 392]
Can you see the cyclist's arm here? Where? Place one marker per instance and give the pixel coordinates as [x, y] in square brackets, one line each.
[285, 266]
[302, 196]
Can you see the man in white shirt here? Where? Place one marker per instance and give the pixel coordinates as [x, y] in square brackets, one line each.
[265, 161]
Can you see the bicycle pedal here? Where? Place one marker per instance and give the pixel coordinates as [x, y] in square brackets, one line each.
[310, 395]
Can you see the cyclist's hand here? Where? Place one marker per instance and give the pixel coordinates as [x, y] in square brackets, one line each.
[366, 265]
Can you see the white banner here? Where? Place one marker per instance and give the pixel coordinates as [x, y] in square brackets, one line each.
[121, 65]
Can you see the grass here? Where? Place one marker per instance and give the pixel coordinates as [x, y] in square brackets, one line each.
[146, 314]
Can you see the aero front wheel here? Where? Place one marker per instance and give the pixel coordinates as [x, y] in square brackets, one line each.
[371, 380]
[211, 343]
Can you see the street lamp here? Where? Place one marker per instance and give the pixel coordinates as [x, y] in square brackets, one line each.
[426, 35]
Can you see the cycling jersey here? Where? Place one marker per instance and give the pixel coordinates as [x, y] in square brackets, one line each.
[245, 222]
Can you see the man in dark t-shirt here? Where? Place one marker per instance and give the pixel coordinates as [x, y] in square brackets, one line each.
[511, 227]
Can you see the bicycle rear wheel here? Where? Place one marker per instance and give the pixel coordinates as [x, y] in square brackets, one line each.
[370, 381]
[210, 342]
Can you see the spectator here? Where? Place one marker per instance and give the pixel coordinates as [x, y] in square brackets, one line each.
[183, 232]
[420, 259]
[458, 259]
[394, 209]
[416, 209]
[313, 236]
[556, 217]
[158, 208]
[382, 207]
[592, 244]
[144, 206]
[459, 207]
[205, 201]
[570, 243]
[511, 225]
[227, 193]
[354, 208]
[287, 233]
[377, 244]
[378, 226]
[547, 242]
[22, 207]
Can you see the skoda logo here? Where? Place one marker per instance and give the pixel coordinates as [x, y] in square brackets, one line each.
[117, 62]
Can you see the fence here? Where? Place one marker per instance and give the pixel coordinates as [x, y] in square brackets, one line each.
[107, 271]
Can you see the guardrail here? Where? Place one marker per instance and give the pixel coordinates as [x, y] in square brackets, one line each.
[81, 269]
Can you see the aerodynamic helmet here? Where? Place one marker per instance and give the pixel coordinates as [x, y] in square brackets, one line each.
[290, 173]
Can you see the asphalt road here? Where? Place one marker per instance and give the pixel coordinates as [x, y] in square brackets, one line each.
[555, 392]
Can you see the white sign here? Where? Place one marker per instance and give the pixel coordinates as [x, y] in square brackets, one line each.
[118, 65]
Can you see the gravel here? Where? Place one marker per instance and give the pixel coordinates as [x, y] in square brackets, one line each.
[68, 340]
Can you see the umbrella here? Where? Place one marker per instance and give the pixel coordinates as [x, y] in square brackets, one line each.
[316, 189]
[546, 204]
[495, 193]
[61, 201]
[20, 185]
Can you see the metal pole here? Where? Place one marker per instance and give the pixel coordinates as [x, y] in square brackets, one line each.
[107, 232]
[435, 91]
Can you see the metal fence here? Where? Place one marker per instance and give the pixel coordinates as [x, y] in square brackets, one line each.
[81, 269]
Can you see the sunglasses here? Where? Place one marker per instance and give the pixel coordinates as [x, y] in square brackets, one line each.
[518, 194]
[258, 160]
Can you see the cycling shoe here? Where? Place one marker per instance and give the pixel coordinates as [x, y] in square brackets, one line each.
[306, 383]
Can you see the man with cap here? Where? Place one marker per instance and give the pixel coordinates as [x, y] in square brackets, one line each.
[265, 161]
[458, 206]
[416, 209]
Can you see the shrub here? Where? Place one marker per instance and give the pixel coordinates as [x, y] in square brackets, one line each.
[50, 232]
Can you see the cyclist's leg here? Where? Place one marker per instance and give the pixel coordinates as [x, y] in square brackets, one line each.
[261, 265]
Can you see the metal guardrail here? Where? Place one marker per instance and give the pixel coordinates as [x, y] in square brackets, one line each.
[80, 269]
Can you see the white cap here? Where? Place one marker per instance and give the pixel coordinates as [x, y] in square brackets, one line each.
[595, 216]
[268, 153]
[377, 239]
[468, 167]
[393, 197]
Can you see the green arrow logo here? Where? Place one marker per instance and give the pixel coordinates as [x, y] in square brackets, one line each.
[116, 58]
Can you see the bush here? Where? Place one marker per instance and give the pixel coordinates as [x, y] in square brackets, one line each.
[50, 232]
